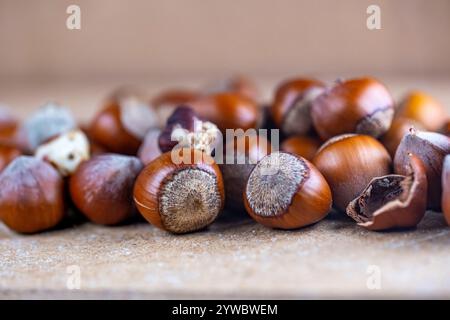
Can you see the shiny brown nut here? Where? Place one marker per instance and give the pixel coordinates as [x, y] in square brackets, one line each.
[302, 146]
[399, 127]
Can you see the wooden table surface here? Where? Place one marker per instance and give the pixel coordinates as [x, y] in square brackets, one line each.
[234, 258]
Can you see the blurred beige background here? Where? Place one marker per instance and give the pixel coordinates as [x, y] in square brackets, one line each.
[173, 38]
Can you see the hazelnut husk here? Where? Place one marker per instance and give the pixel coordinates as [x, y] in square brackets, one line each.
[446, 188]
[431, 148]
[292, 105]
[180, 195]
[227, 110]
[102, 188]
[303, 146]
[399, 128]
[122, 124]
[424, 109]
[349, 162]
[362, 106]
[392, 201]
[184, 129]
[240, 157]
[287, 192]
[31, 195]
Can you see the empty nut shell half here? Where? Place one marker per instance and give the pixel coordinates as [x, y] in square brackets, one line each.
[392, 201]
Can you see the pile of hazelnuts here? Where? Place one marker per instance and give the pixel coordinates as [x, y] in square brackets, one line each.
[346, 145]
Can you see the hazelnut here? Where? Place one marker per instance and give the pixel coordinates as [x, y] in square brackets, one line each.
[292, 105]
[399, 127]
[446, 128]
[31, 196]
[237, 84]
[102, 188]
[424, 109]
[349, 162]
[227, 111]
[431, 148]
[302, 146]
[121, 126]
[65, 152]
[185, 129]
[180, 196]
[167, 101]
[446, 188]
[287, 192]
[392, 201]
[362, 106]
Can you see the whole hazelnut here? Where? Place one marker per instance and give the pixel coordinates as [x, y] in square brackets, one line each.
[349, 162]
[362, 106]
[287, 192]
[399, 127]
[392, 201]
[431, 148]
[227, 111]
[31, 195]
[185, 129]
[65, 152]
[302, 146]
[240, 157]
[121, 126]
[292, 105]
[102, 188]
[424, 109]
[180, 196]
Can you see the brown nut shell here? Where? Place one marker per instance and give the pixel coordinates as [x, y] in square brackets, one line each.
[180, 196]
[392, 201]
[31, 195]
[8, 154]
[362, 106]
[287, 192]
[102, 188]
[349, 162]
[292, 103]
[302, 146]
[431, 148]
[399, 128]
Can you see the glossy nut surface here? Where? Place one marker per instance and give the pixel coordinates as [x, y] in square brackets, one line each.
[362, 106]
[399, 128]
[180, 195]
[349, 162]
[302, 146]
[287, 192]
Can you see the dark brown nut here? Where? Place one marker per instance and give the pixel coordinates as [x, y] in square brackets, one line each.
[431, 148]
[424, 109]
[287, 192]
[292, 105]
[102, 188]
[399, 127]
[392, 201]
[361, 106]
[31, 195]
[349, 162]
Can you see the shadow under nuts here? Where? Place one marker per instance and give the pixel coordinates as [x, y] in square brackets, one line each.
[361, 106]
[31, 195]
[287, 192]
[392, 201]
[349, 162]
[102, 188]
[180, 196]
[431, 148]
